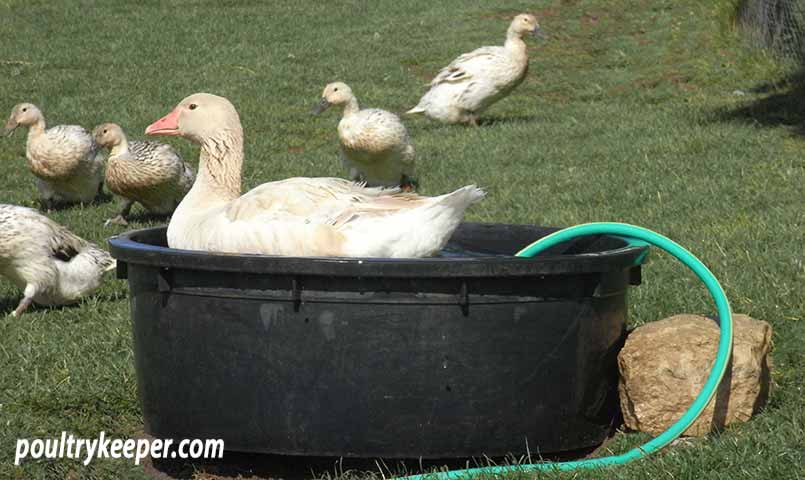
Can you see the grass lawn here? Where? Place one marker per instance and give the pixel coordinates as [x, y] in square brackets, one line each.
[648, 112]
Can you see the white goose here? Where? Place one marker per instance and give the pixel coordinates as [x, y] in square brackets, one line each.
[375, 145]
[476, 80]
[51, 264]
[66, 160]
[150, 173]
[298, 216]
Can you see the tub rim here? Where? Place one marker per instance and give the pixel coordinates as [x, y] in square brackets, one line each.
[127, 250]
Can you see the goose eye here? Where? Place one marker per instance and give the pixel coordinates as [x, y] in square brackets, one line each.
[25, 110]
[193, 106]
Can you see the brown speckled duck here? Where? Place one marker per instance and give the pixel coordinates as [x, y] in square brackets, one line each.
[66, 160]
[375, 145]
[150, 173]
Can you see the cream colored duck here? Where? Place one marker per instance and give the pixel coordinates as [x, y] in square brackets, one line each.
[66, 160]
[52, 265]
[297, 216]
[476, 80]
[150, 173]
[375, 145]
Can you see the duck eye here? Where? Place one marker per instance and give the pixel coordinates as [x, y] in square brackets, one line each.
[193, 106]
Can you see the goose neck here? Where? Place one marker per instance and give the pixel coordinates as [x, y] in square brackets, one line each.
[220, 164]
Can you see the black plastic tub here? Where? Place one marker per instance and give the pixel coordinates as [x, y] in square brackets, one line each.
[473, 353]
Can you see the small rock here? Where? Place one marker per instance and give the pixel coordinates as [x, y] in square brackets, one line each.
[664, 365]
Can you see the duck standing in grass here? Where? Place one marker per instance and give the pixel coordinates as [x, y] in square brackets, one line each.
[150, 173]
[66, 160]
[375, 145]
[476, 80]
[51, 264]
[297, 216]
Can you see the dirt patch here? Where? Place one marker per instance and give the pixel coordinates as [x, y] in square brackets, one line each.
[418, 71]
[590, 20]
[509, 14]
[556, 97]
[679, 80]
[296, 149]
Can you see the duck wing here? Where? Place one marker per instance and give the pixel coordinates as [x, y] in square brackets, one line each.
[470, 64]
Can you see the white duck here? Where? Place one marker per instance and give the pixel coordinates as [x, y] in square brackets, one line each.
[298, 216]
[150, 173]
[375, 145]
[66, 160]
[476, 80]
[51, 264]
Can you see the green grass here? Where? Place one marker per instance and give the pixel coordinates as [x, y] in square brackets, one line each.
[648, 112]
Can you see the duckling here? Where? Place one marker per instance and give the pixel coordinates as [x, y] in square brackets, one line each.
[296, 216]
[375, 145]
[66, 160]
[150, 173]
[52, 265]
[476, 80]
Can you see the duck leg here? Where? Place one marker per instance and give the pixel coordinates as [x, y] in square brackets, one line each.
[27, 300]
[120, 219]
[407, 184]
[47, 204]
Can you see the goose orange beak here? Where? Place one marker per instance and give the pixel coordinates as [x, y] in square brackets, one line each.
[167, 125]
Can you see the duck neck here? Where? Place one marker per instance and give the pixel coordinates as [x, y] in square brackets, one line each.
[220, 164]
[121, 148]
[515, 44]
[37, 128]
[351, 107]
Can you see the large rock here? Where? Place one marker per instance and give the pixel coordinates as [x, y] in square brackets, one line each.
[664, 365]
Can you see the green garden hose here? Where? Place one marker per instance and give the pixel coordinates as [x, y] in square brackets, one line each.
[637, 234]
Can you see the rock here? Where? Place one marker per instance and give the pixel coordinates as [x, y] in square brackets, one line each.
[664, 364]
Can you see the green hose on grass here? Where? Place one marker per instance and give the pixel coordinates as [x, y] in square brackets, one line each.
[637, 235]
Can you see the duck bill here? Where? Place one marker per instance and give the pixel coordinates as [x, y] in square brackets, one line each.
[322, 106]
[11, 125]
[539, 33]
[167, 125]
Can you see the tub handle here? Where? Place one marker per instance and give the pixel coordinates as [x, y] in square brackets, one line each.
[296, 294]
[464, 299]
[121, 270]
[635, 276]
[164, 280]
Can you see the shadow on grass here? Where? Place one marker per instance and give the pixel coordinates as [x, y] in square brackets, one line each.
[100, 199]
[236, 465]
[9, 304]
[483, 122]
[510, 120]
[784, 105]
